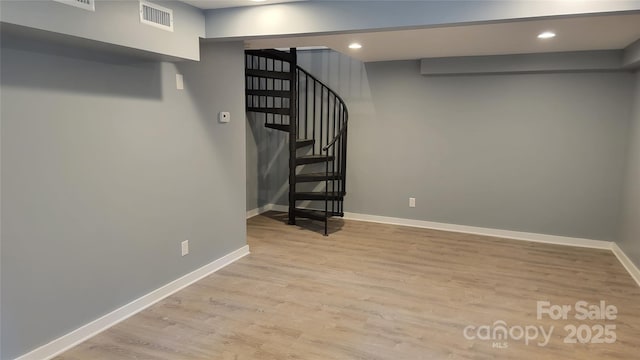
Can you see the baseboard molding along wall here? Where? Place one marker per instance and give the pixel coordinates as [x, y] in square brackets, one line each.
[508, 234]
[514, 235]
[91, 329]
[268, 207]
[626, 262]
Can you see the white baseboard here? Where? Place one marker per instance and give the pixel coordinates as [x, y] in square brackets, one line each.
[626, 262]
[91, 329]
[507, 234]
[268, 207]
[257, 211]
[514, 235]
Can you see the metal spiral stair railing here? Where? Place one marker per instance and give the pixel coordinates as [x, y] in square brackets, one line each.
[316, 119]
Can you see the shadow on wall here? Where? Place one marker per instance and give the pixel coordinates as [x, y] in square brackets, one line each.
[269, 163]
[129, 76]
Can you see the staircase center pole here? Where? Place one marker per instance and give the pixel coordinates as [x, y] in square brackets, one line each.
[293, 133]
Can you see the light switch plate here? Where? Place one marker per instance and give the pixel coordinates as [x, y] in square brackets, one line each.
[184, 247]
[179, 82]
[224, 117]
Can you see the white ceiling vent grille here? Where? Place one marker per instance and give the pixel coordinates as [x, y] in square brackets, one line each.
[82, 4]
[155, 15]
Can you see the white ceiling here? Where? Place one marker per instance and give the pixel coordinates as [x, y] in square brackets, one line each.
[573, 34]
[219, 4]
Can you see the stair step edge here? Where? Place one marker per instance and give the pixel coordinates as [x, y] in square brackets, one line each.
[272, 110]
[319, 196]
[303, 160]
[268, 74]
[311, 177]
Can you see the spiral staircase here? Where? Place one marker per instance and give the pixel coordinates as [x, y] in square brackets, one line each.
[315, 117]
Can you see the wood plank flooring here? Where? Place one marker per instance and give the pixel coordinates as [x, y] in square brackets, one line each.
[373, 291]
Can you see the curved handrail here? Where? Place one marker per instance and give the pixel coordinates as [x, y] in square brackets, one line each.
[316, 79]
[336, 147]
[344, 107]
[335, 138]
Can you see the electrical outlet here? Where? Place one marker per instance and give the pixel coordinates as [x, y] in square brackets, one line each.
[185, 247]
[412, 202]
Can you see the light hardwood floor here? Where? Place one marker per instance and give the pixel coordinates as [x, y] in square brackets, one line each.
[373, 291]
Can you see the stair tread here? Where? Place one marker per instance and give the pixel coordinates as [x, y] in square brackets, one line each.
[268, 74]
[304, 142]
[281, 127]
[318, 176]
[319, 195]
[314, 156]
[270, 110]
[312, 159]
[272, 53]
[313, 174]
[315, 214]
[273, 93]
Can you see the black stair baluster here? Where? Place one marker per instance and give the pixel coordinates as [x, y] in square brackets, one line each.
[313, 126]
[341, 162]
[344, 140]
[306, 106]
[321, 144]
[326, 195]
[293, 115]
[297, 109]
[334, 148]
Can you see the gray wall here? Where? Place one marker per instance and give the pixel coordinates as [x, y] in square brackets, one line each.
[541, 153]
[106, 168]
[630, 230]
[113, 22]
[267, 164]
[252, 169]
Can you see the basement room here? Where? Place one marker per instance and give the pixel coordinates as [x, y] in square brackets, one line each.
[319, 180]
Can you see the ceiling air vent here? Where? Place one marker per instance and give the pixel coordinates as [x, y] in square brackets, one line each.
[155, 15]
[83, 4]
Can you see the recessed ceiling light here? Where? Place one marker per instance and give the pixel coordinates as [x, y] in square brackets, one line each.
[546, 35]
[355, 46]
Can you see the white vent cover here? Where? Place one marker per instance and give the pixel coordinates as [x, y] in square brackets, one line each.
[83, 4]
[155, 15]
